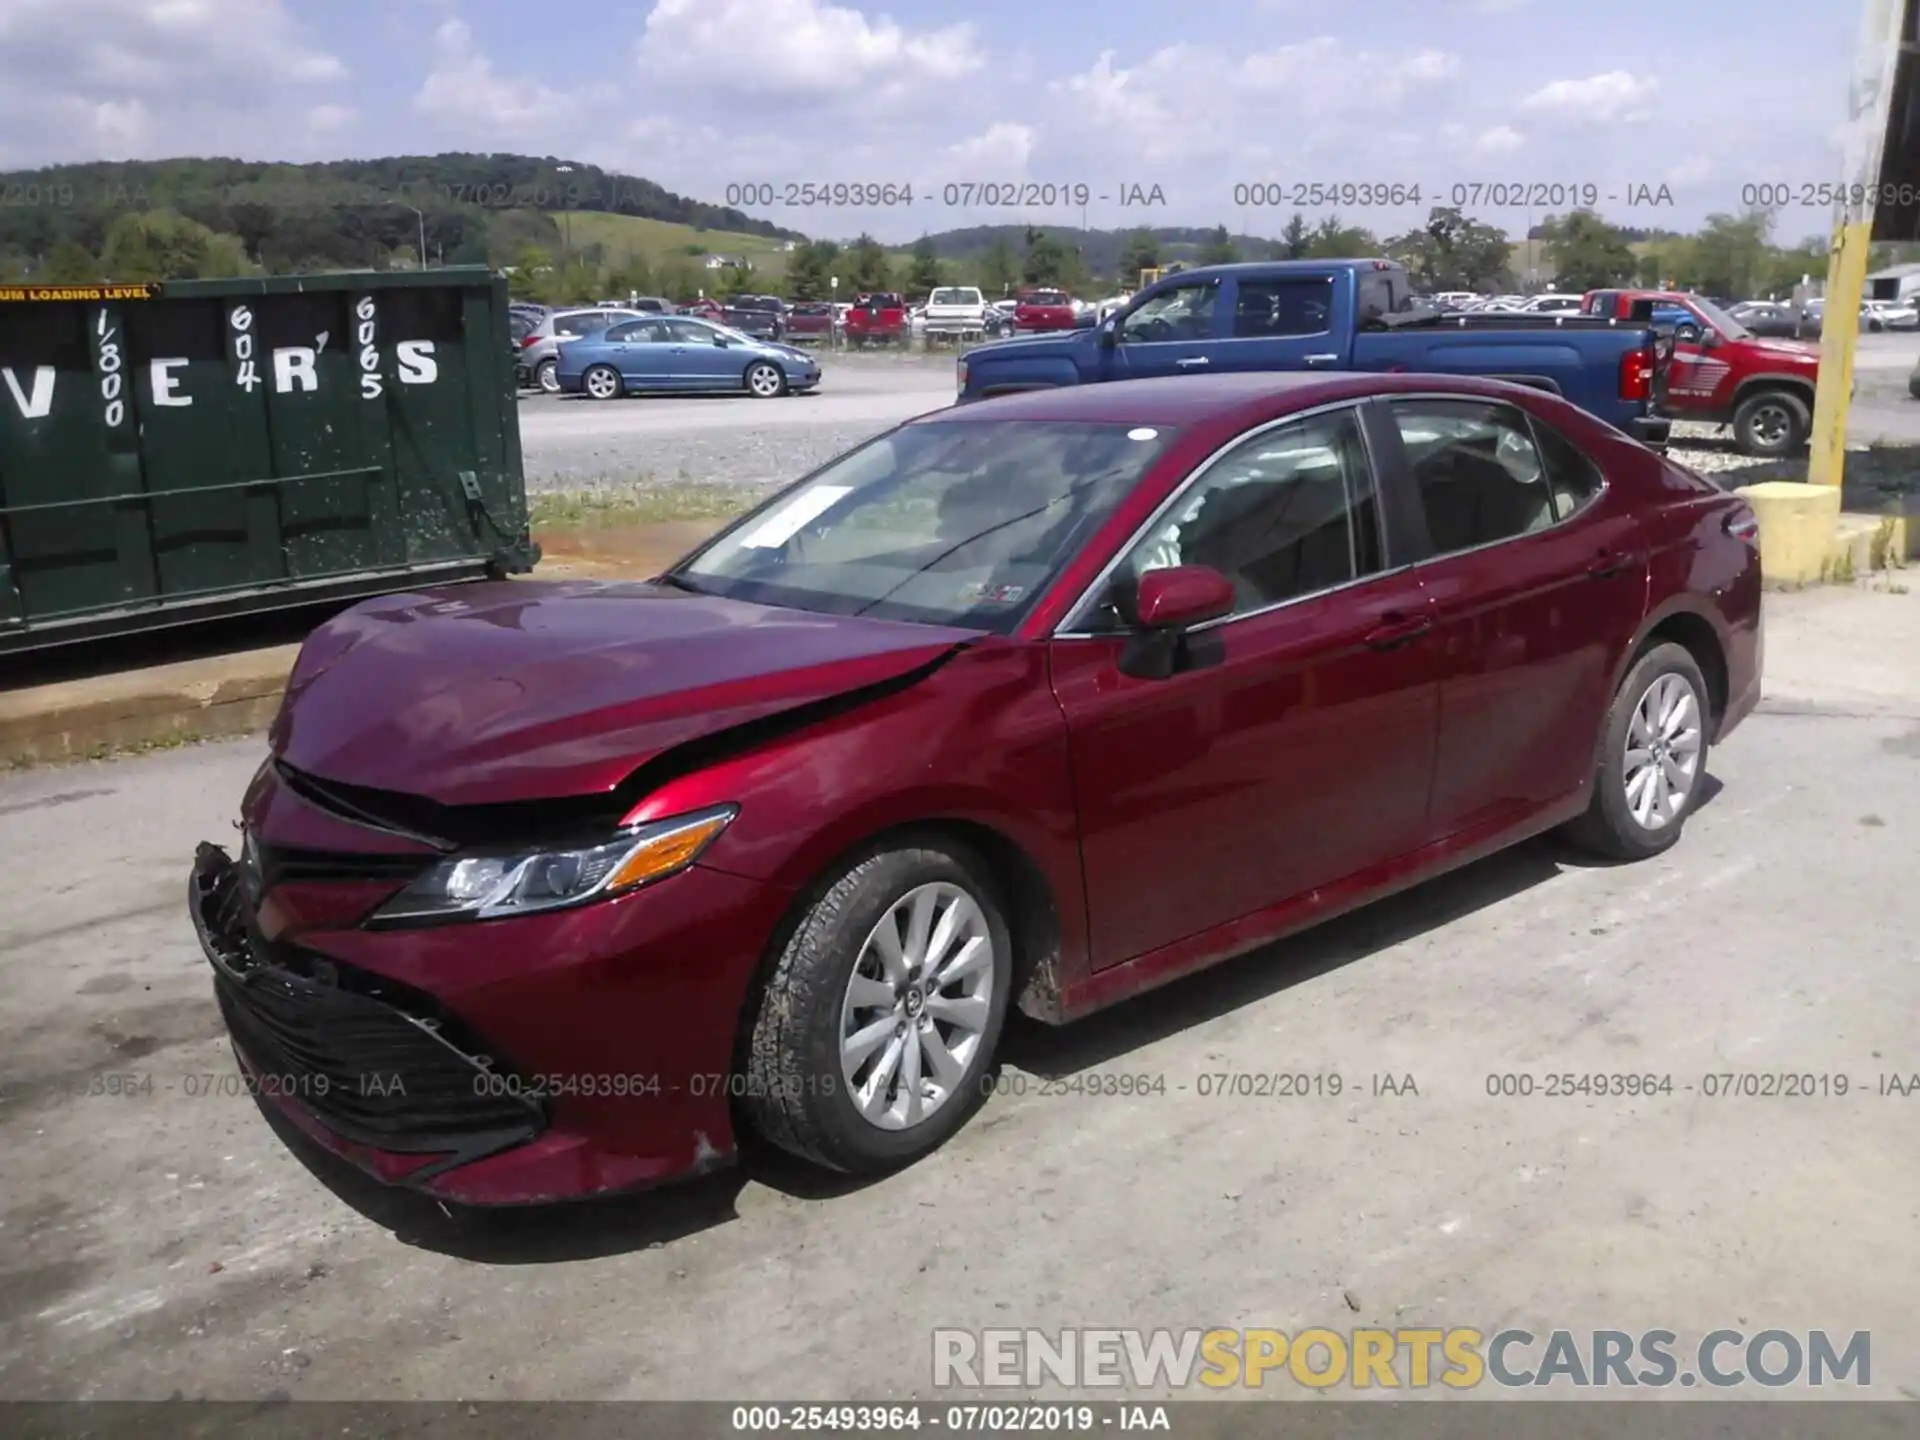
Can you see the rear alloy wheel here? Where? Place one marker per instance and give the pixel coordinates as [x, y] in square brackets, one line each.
[1772, 423]
[602, 382]
[547, 375]
[880, 1020]
[766, 381]
[1653, 759]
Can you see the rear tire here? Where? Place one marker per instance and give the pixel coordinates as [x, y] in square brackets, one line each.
[832, 1028]
[1644, 791]
[602, 382]
[1771, 424]
[547, 376]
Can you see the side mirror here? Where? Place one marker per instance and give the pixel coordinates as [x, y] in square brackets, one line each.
[721, 341]
[1179, 596]
[1110, 331]
[1160, 608]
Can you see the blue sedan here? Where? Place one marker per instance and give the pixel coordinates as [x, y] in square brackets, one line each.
[662, 353]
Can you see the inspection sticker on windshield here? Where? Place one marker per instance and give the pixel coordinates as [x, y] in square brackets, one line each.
[786, 522]
[979, 592]
[1143, 433]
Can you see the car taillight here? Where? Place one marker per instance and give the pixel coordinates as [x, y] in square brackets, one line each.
[1636, 374]
[527, 342]
[960, 374]
[1744, 525]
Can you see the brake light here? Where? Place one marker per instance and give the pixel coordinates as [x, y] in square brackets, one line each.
[1636, 374]
[1744, 526]
[527, 342]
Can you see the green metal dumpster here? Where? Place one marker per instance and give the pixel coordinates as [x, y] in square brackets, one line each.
[176, 452]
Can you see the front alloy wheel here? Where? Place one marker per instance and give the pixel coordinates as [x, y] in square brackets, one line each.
[874, 1033]
[916, 1006]
[766, 381]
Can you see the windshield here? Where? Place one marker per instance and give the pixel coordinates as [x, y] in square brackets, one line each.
[1720, 319]
[954, 297]
[944, 523]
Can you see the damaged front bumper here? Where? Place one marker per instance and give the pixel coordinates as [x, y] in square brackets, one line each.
[603, 1067]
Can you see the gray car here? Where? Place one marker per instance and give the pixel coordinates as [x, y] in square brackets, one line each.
[540, 347]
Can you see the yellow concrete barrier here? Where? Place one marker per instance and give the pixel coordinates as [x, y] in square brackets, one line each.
[1798, 523]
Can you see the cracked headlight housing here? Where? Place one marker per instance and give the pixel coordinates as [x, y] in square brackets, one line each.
[498, 884]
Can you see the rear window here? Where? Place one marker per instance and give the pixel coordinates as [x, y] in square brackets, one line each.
[1048, 297]
[954, 296]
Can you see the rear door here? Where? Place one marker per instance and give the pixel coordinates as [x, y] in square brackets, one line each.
[640, 350]
[1284, 323]
[1537, 581]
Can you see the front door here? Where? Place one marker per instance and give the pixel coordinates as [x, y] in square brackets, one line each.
[1295, 746]
[1172, 332]
[1538, 584]
[697, 362]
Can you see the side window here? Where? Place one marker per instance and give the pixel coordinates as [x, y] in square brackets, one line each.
[1290, 512]
[1376, 296]
[1184, 312]
[1282, 307]
[1573, 479]
[1480, 475]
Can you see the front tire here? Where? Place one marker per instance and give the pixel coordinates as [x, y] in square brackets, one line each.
[1771, 424]
[1653, 759]
[878, 1025]
[765, 380]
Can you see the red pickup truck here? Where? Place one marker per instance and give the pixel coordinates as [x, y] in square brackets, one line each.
[1722, 372]
[878, 319]
[1043, 310]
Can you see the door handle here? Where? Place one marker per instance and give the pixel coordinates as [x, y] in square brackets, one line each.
[1321, 362]
[1609, 563]
[1193, 360]
[1398, 632]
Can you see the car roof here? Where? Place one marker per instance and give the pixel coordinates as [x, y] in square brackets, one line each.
[1187, 400]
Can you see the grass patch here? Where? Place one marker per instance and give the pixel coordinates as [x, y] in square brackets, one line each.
[645, 502]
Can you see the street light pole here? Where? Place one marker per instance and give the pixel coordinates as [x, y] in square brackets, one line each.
[421, 216]
[566, 219]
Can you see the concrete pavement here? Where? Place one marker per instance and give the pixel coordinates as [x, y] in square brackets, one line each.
[165, 1240]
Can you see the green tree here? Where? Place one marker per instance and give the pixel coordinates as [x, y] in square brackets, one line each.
[633, 276]
[1219, 249]
[1045, 262]
[867, 266]
[810, 270]
[678, 280]
[1296, 241]
[165, 245]
[923, 272]
[1586, 252]
[1784, 269]
[1142, 252]
[1730, 255]
[1452, 252]
[70, 263]
[998, 269]
[1330, 240]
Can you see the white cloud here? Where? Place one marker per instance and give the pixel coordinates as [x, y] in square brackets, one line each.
[1500, 140]
[126, 79]
[1004, 149]
[1615, 95]
[464, 93]
[779, 50]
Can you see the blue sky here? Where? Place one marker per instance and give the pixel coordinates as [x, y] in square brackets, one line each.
[1704, 97]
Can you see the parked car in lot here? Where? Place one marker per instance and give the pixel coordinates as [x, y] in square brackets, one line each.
[677, 352]
[811, 320]
[1769, 319]
[1034, 704]
[1725, 374]
[956, 311]
[705, 308]
[1043, 310]
[1554, 305]
[762, 316]
[1892, 314]
[878, 319]
[1000, 320]
[1333, 315]
[539, 356]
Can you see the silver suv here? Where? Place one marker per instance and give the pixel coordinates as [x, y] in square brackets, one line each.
[540, 347]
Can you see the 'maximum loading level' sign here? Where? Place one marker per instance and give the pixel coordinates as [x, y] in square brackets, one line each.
[240, 358]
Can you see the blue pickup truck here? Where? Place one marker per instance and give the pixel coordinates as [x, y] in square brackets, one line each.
[1335, 315]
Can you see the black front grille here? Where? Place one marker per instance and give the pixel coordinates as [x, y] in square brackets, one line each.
[378, 1064]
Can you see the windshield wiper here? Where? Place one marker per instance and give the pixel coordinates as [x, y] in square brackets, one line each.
[680, 582]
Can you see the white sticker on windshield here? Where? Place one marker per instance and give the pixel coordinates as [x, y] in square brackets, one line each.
[787, 521]
[1143, 433]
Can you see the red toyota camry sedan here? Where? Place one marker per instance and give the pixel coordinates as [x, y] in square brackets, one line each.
[548, 888]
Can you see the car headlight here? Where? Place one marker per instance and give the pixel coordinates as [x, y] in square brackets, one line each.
[495, 885]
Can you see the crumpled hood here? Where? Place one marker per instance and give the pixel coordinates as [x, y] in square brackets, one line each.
[525, 690]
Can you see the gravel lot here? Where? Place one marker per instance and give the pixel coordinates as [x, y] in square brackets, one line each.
[577, 444]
